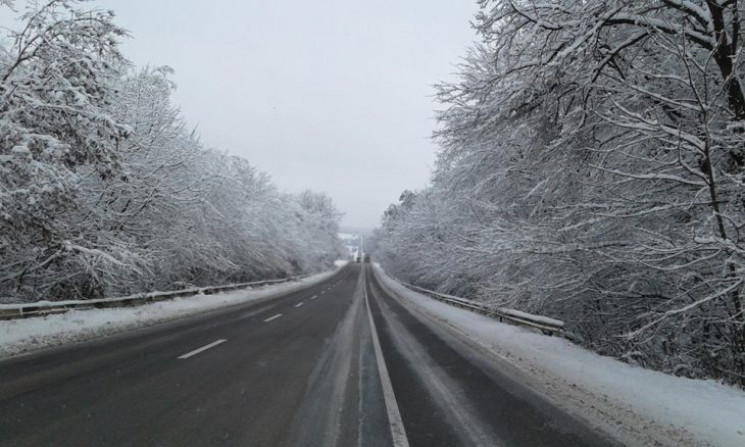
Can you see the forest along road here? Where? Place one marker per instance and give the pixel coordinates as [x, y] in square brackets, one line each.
[303, 369]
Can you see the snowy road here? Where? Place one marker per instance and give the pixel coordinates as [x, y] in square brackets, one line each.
[302, 369]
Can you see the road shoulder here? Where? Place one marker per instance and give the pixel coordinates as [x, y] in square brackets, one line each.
[37, 334]
[619, 419]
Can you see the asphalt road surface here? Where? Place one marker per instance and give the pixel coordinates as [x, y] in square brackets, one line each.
[342, 362]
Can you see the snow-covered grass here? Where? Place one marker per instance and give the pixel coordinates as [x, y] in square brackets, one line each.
[644, 406]
[22, 335]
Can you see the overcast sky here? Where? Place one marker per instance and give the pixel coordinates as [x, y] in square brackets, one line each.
[331, 95]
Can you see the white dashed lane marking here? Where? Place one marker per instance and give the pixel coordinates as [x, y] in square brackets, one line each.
[202, 349]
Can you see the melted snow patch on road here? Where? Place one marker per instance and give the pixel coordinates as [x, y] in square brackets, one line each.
[674, 409]
[22, 335]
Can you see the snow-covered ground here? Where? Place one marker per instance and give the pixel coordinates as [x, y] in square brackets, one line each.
[22, 335]
[640, 406]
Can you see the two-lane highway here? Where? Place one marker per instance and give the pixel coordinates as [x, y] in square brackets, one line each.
[342, 362]
[241, 376]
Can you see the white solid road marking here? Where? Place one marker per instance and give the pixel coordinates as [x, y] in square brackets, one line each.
[299, 304]
[272, 318]
[314, 297]
[202, 349]
[394, 416]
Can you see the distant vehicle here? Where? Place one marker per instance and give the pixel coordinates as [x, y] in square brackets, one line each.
[357, 259]
[367, 259]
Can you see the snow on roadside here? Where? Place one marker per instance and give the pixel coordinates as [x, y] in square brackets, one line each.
[22, 335]
[703, 411]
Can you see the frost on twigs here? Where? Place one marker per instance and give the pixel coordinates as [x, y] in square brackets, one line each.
[591, 169]
[105, 191]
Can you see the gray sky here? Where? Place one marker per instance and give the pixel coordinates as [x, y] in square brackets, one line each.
[331, 95]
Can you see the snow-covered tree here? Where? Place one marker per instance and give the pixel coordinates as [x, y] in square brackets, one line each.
[104, 189]
[591, 168]
[55, 89]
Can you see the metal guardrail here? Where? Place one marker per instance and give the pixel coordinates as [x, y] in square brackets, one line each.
[548, 326]
[13, 311]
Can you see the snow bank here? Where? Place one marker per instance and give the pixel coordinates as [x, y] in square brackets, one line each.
[17, 336]
[703, 411]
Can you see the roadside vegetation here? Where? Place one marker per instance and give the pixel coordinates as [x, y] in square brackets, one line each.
[104, 188]
[591, 169]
